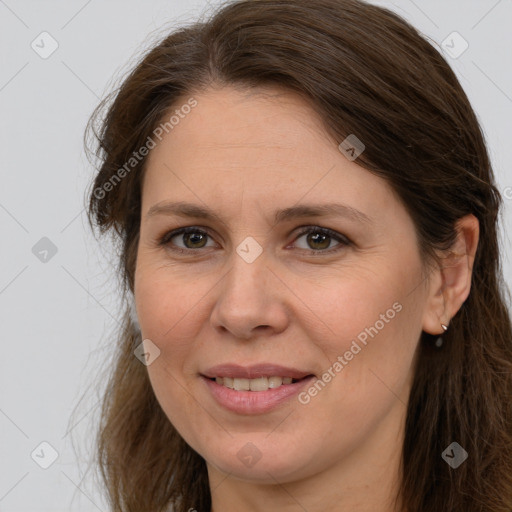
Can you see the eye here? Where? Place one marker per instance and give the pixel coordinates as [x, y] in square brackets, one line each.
[319, 239]
[192, 238]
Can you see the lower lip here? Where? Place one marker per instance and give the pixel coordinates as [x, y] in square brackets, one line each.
[254, 402]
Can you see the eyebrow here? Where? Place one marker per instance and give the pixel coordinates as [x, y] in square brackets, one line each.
[183, 209]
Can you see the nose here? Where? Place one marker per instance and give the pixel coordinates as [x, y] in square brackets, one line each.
[250, 300]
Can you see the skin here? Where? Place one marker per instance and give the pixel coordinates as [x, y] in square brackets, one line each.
[244, 155]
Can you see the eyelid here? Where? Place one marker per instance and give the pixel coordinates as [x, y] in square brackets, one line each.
[164, 240]
[343, 241]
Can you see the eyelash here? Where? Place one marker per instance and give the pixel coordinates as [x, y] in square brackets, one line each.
[164, 241]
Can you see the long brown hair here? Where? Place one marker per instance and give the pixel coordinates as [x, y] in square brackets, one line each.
[366, 71]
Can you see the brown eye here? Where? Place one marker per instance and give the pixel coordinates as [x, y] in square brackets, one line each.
[320, 239]
[191, 238]
[195, 239]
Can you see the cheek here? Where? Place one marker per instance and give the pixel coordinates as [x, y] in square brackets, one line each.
[168, 317]
[370, 327]
[348, 306]
[169, 306]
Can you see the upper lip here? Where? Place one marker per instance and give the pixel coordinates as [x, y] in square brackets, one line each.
[254, 371]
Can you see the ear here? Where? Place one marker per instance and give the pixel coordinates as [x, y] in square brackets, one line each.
[450, 284]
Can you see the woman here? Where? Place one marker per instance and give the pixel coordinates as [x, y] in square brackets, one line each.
[307, 217]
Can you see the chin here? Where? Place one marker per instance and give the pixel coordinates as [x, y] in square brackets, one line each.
[260, 461]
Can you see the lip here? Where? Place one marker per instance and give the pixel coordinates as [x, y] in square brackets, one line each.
[254, 402]
[254, 371]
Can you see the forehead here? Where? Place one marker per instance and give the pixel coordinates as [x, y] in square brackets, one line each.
[230, 123]
[268, 144]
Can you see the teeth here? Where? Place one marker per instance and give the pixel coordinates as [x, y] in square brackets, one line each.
[274, 382]
[259, 384]
[241, 384]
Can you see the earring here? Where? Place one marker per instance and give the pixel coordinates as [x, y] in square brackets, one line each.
[440, 341]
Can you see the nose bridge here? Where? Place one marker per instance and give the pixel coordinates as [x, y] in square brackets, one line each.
[246, 283]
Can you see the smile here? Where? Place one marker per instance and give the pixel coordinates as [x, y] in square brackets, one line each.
[255, 389]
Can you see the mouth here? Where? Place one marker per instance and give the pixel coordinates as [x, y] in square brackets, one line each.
[256, 389]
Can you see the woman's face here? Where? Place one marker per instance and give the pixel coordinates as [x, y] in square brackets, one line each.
[258, 291]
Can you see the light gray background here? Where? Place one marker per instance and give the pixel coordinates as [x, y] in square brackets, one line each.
[56, 316]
